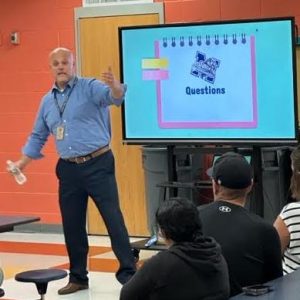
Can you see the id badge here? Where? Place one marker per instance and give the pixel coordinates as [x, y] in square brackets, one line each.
[60, 132]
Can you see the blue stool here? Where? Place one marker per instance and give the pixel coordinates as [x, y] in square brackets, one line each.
[41, 278]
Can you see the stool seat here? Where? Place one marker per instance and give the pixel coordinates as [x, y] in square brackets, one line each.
[41, 278]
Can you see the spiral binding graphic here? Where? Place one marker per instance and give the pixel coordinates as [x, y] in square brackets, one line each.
[207, 40]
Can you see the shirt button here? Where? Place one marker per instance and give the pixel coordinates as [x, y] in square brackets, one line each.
[66, 134]
[65, 121]
[70, 148]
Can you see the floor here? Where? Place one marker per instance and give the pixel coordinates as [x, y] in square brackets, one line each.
[26, 251]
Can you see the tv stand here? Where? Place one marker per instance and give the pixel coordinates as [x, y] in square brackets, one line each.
[271, 169]
[173, 185]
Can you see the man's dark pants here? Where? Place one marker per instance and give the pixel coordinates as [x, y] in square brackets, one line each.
[94, 178]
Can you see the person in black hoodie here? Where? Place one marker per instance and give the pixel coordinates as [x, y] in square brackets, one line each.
[192, 268]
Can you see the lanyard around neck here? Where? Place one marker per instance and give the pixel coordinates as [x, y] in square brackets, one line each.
[61, 108]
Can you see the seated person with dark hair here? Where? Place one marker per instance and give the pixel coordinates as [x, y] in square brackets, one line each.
[250, 245]
[192, 268]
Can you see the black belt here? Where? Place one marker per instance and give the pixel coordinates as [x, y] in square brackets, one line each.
[85, 158]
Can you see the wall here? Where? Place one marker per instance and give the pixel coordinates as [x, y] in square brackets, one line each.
[24, 78]
[203, 10]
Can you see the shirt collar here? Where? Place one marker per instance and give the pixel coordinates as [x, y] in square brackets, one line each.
[69, 84]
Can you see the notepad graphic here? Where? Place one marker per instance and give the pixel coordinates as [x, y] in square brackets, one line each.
[204, 81]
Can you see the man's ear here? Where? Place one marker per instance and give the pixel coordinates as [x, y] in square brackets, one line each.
[161, 233]
[249, 188]
[215, 187]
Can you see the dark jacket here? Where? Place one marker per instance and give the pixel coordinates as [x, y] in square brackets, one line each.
[186, 271]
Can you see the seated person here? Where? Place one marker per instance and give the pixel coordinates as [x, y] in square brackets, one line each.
[249, 244]
[192, 267]
[2, 293]
[288, 222]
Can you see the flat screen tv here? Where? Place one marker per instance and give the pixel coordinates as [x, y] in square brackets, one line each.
[221, 82]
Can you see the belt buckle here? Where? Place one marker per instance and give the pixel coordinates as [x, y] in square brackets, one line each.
[80, 159]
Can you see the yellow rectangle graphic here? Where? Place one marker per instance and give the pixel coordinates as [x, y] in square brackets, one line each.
[155, 63]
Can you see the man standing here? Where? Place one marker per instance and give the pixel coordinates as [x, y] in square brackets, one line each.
[249, 244]
[76, 112]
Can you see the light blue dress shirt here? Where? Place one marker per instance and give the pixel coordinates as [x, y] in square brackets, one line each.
[86, 119]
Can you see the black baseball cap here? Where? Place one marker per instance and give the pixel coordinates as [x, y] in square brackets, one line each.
[231, 170]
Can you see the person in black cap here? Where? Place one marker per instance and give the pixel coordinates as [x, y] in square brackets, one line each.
[192, 267]
[250, 245]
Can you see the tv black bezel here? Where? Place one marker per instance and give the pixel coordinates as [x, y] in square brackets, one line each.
[214, 141]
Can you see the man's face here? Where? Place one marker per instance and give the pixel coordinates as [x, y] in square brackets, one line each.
[62, 67]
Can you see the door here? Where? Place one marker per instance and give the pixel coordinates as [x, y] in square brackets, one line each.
[97, 48]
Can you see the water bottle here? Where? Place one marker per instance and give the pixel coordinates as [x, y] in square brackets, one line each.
[16, 172]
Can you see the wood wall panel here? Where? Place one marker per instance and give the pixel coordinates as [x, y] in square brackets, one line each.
[99, 49]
